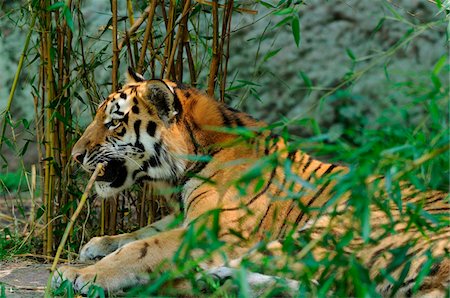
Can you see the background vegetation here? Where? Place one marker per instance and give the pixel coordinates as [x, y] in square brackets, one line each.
[72, 56]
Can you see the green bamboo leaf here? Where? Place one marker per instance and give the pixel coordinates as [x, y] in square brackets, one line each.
[296, 30]
[284, 11]
[56, 6]
[68, 17]
[283, 21]
[306, 80]
[350, 54]
[439, 64]
[365, 222]
[271, 54]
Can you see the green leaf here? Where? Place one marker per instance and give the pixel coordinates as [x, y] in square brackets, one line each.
[56, 6]
[439, 64]
[283, 21]
[296, 30]
[306, 80]
[68, 17]
[284, 11]
[350, 54]
[365, 221]
[271, 54]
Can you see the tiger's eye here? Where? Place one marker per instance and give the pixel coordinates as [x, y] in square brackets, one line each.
[115, 122]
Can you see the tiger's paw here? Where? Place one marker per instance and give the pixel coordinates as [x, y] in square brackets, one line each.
[79, 278]
[98, 247]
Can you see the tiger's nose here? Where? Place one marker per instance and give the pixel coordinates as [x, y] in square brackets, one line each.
[78, 157]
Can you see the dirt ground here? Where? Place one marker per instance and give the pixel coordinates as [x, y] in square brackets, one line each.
[23, 278]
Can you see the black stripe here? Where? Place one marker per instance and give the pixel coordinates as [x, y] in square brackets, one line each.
[156, 229]
[307, 163]
[154, 161]
[438, 198]
[122, 132]
[376, 255]
[125, 119]
[191, 201]
[277, 194]
[226, 120]
[151, 128]
[437, 209]
[238, 121]
[317, 194]
[269, 183]
[192, 137]
[292, 206]
[177, 106]
[264, 217]
[137, 126]
[283, 228]
[233, 109]
[206, 180]
[144, 250]
[135, 109]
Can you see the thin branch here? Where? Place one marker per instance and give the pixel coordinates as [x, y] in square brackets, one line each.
[115, 57]
[16, 79]
[148, 31]
[135, 26]
[419, 161]
[226, 28]
[70, 226]
[191, 64]
[243, 10]
[170, 27]
[215, 60]
[178, 38]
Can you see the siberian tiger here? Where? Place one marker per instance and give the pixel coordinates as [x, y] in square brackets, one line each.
[151, 130]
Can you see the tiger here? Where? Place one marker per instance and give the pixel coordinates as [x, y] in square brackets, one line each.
[160, 132]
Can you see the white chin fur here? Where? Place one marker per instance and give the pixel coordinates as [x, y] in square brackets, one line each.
[104, 190]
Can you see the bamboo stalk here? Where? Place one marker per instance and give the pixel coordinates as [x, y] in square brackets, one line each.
[130, 53]
[226, 31]
[147, 34]
[128, 40]
[102, 218]
[240, 9]
[135, 26]
[50, 129]
[215, 60]
[33, 199]
[115, 57]
[191, 65]
[170, 25]
[178, 39]
[142, 207]
[112, 216]
[16, 79]
[70, 226]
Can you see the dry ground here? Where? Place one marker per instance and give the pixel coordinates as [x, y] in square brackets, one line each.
[23, 278]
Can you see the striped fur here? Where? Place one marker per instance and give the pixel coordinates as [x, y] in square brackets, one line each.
[147, 130]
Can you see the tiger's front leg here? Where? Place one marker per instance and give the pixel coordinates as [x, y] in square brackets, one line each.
[99, 247]
[128, 266]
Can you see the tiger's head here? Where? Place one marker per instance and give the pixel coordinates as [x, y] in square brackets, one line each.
[127, 134]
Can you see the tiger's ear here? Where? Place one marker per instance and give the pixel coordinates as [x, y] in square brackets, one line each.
[166, 103]
[133, 77]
